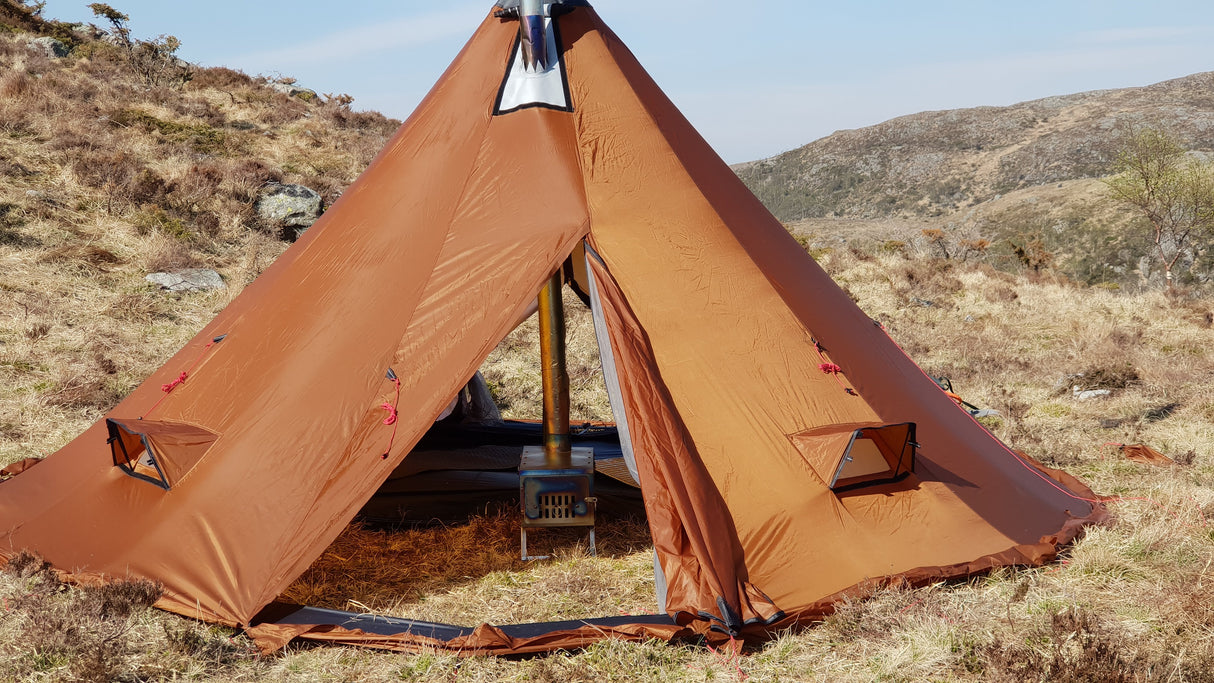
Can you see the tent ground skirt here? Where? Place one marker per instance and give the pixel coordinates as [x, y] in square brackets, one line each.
[279, 623]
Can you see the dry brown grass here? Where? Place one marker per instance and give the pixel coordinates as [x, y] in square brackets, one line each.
[472, 573]
[55, 633]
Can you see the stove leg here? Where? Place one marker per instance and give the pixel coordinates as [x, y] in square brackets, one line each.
[525, 556]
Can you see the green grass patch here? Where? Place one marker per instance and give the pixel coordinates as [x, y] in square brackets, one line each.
[201, 137]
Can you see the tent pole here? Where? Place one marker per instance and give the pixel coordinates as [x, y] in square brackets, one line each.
[554, 375]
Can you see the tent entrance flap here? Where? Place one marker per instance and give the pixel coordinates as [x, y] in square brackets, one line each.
[850, 455]
[159, 452]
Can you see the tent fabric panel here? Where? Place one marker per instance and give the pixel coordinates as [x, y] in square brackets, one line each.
[689, 245]
[479, 284]
[493, 259]
[739, 389]
[296, 386]
[692, 532]
[891, 383]
[1035, 553]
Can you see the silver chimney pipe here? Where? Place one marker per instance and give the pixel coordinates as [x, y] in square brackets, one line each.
[533, 36]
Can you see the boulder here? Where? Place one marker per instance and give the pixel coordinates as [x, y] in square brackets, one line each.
[291, 208]
[87, 31]
[192, 280]
[292, 90]
[51, 47]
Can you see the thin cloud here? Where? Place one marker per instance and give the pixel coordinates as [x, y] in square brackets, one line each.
[357, 43]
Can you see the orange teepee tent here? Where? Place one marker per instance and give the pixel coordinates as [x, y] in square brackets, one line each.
[788, 452]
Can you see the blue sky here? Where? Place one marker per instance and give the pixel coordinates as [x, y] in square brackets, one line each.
[756, 79]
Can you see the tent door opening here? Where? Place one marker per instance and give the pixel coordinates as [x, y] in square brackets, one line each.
[464, 475]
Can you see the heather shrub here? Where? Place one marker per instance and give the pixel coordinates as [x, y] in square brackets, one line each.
[220, 78]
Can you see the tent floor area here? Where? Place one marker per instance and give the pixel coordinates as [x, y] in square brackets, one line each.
[456, 470]
[439, 545]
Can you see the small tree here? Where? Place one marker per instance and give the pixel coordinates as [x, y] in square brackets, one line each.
[1172, 191]
[155, 60]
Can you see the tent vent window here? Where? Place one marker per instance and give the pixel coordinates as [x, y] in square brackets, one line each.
[876, 455]
[132, 455]
[161, 453]
[859, 454]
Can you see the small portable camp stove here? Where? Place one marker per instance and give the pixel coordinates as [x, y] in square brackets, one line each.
[556, 481]
[556, 495]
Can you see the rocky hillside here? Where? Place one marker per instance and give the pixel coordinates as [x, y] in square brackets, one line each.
[118, 161]
[937, 163]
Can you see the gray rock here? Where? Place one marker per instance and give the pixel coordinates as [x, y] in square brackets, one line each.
[1065, 383]
[292, 90]
[86, 30]
[290, 206]
[193, 280]
[1089, 394]
[51, 47]
[42, 197]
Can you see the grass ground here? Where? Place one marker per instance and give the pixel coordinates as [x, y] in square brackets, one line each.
[1131, 601]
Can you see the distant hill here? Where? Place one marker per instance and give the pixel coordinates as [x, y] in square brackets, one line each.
[936, 163]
